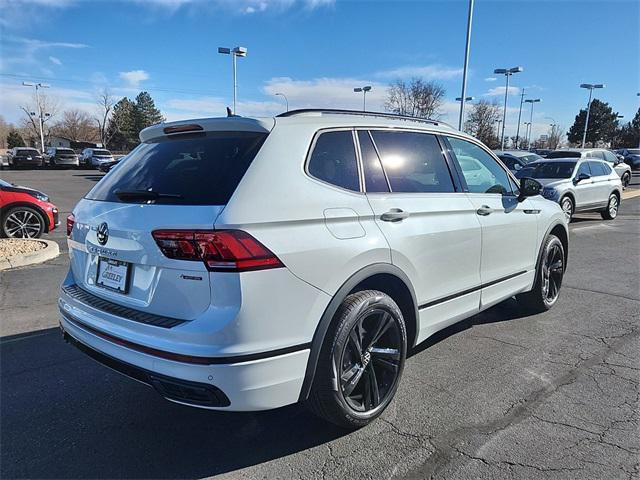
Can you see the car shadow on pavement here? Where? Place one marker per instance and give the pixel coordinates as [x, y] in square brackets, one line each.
[65, 416]
[509, 310]
[94, 177]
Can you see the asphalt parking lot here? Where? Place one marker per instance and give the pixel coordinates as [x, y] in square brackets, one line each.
[501, 395]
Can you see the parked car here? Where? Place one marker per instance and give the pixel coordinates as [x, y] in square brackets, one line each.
[59, 157]
[516, 159]
[24, 157]
[262, 262]
[94, 157]
[24, 212]
[622, 169]
[631, 157]
[578, 185]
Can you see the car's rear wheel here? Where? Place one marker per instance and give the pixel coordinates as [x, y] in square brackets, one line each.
[361, 361]
[611, 211]
[549, 275]
[22, 222]
[567, 207]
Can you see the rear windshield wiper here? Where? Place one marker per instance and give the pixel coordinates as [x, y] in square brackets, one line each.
[144, 195]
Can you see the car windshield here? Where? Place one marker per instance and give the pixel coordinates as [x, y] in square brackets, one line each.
[564, 154]
[4, 184]
[102, 152]
[550, 170]
[530, 158]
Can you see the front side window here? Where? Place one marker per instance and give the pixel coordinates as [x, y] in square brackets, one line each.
[597, 169]
[583, 169]
[609, 156]
[413, 162]
[480, 170]
[333, 160]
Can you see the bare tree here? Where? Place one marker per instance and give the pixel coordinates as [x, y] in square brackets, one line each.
[417, 98]
[5, 128]
[49, 106]
[556, 132]
[76, 125]
[481, 122]
[105, 104]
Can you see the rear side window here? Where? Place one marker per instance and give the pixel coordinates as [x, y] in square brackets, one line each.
[413, 162]
[374, 178]
[202, 170]
[333, 160]
[597, 169]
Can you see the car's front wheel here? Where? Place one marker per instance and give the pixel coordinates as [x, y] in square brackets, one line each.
[361, 361]
[22, 222]
[549, 275]
[567, 207]
[611, 211]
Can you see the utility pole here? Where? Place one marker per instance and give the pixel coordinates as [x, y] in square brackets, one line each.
[519, 118]
[40, 122]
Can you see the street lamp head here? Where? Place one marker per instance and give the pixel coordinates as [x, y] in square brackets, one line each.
[515, 70]
[28, 84]
[466, 99]
[532, 100]
[367, 88]
[357, 90]
[224, 50]
[240, 51]
[500, 71]
[43, 85]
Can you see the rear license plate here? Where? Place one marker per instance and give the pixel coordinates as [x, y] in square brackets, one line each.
[113, 274]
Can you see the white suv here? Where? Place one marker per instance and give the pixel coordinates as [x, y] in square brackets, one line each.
[246, 264]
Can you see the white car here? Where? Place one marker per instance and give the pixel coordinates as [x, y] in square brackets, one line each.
[94, 157]
[247, 264]
[578, 185]
[622, 169]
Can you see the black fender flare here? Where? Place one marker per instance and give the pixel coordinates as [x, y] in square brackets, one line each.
[332, 307]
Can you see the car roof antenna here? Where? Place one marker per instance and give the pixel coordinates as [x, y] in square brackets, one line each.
[230, 113]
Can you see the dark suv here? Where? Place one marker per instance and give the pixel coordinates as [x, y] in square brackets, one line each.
[25, 157]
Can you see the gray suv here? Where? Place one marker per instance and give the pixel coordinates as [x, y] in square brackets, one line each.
[622, 169]
[578, 185]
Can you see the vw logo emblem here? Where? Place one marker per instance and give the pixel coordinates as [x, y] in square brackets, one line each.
[103, 233]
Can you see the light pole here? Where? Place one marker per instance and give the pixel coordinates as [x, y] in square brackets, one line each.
[235, 52]
[507, 72]
[519, 117]
[467, 49]
[364, 91]
[527, 125]
[531, 101]
[285, 99]
[466, 99]
[590, 87]
[499, 121]
[638, 95]
[37, 87]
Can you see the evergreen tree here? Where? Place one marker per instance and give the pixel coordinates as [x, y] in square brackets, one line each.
[122, 129]
[14, 139]
[603, 123]
[146, 112]
[629, 134]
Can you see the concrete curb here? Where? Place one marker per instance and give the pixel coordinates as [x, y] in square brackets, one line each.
[52, 250]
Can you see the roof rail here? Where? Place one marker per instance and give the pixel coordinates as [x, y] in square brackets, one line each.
[337, 111]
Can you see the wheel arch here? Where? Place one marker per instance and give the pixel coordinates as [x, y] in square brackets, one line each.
[33, 206]
[559, 230]
[384, 277]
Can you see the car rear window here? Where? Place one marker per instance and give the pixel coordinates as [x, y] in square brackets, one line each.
[65, 151]
[564, 154]
[101, 152]
[192, 170]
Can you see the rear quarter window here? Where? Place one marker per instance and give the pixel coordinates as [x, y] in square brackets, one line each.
[191, 170]
[333, 160]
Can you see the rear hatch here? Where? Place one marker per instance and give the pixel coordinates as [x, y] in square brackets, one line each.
[170, 182]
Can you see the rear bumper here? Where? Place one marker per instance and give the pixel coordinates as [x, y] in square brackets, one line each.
[261, 384]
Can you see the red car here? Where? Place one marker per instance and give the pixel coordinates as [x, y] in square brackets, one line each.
[24, 212]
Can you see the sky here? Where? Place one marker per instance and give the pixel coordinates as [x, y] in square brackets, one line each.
[317, 51]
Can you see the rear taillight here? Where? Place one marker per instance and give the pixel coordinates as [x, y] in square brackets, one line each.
[221, 250]
[71, 220]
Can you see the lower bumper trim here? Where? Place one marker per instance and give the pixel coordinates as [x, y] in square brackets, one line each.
[183, 391]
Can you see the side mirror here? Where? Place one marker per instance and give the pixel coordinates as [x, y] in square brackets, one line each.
[529, 187]
[517, 166]
[581, 177]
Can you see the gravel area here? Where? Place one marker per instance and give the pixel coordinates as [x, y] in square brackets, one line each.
[11, 247]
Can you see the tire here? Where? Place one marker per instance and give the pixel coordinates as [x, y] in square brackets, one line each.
[549, 275]
[611, 211]
[568, 207]
[35, 223]
[626, 179]
[368, 364]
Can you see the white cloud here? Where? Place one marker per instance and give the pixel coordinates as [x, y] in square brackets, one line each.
[134, 77]
[238, 6]
[490, 79]
[55, 60]
[499, 91]
[429, 72]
